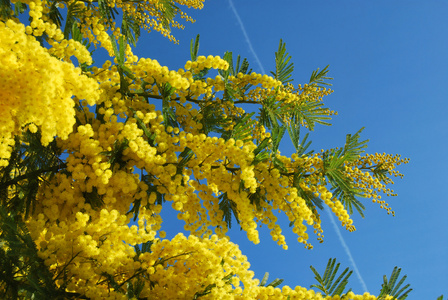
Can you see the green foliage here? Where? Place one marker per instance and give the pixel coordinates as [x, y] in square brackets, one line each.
[331, 286]
[74, 10]
[123, 70]
[239, 67]
[30, 164]
[194, 48]
[242, 129]
[392, 287]
[334, 162]
[19, 255]
[5, 9]
[213, 119]
[270, 112]
[116, 154]
[168, 11]
[231, 91]
[134, 289]
[107, 12]
[228, 207]
[320, 78]
[276, 282]
[169, 117]
[309, 113]
[93, 198]
[303, 146]
[327, 283]
[261, 152]
[130, 28]
[54, 14]
[283, 68]
[143, 248]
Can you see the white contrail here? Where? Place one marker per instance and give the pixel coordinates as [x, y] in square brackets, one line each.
[246, 36]
[336, 228]
[347, 250]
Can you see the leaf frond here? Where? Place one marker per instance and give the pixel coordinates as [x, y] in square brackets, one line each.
[283, 66]
[319, 77]
[327, 283]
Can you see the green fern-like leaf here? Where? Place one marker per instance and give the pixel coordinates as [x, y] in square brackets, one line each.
[228, 207]
[393, 288]
[261, 152]
[242, 129]
[168, 12]
[334, 161]
[107, 12]
[310, 113]
[276, 282]
[194, 48]
[353, 148]
[319, 77]
[73, 11]
[5, 9]
[283, 68]
[54, 14]
[169, 117]
[130, 28]
[327, 283]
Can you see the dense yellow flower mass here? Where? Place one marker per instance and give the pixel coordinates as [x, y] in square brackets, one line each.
[124, 160]
[36, 89]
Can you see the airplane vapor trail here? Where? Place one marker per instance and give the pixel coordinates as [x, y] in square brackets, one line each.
[347, 251]
[246, 37]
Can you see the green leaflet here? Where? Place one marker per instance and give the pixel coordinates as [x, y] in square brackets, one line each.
[130, 28]
[319, 78]
[334, 161]
[310, 113]
[327, 283]
[6, 9]
[242, 129]
[212, 117]
[21, 254]
[276, 282]
[283, 68]
[228, 207]
[194, 48]
[261, 152]
[116, 154]
[54, 14]
[168, 12]
[231, 92]
[107, 13]
[392, 287]
[169, 117]
[73, 10]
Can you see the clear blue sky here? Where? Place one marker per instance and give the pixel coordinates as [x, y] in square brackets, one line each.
[389, 60]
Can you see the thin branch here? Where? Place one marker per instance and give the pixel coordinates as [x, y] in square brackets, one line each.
[31, 174]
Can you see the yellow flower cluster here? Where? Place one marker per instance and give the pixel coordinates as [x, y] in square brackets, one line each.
[149, 14]
[369, 173]
[86, 246]
[81, 222]
[36, 89]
